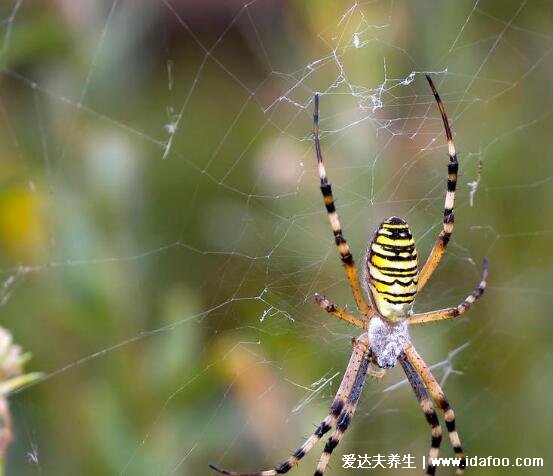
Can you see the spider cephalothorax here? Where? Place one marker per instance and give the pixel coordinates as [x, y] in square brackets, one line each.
[392, 281]
[387, 340]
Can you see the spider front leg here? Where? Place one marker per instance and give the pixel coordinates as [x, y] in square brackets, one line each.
[344, 420]
[428, 409]
[440, 399]
[450, 312]
[341, 243]
[347, 395]
[447, 228]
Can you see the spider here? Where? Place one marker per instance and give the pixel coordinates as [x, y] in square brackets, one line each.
[391, 281]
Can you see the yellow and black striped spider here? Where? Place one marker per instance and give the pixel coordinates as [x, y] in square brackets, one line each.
[391, 281]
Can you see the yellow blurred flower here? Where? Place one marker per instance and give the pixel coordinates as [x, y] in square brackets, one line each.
[22, 229]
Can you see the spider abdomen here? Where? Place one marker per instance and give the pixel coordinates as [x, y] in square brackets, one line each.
[392, 269]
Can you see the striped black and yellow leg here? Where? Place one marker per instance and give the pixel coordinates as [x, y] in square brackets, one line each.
[443, 314]
[349, 386]
[341, 243]
[443, 238]
[428, 409]
[441, 402]
[325, 426]
[338, 312]
[344, 419]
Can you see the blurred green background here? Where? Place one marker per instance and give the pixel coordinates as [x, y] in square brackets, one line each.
[162, 232]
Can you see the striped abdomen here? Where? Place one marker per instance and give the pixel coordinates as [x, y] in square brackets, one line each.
[392, 269]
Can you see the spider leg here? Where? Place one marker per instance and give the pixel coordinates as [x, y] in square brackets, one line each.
[344, 419]
[443, 238]
[450, 312]
[338, 312]
[348, 387]
[428, 409]
[343, 247]
[441, 402]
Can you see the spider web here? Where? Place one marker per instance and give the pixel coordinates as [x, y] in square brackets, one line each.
[163, 233]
